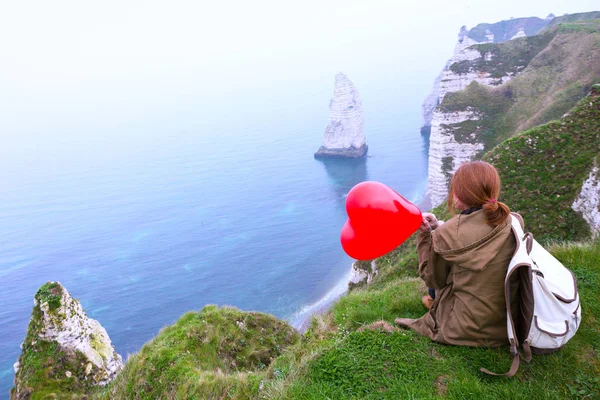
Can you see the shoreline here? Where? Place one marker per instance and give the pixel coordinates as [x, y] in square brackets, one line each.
[301, 320]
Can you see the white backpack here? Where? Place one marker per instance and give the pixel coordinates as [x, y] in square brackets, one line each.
[548, 302]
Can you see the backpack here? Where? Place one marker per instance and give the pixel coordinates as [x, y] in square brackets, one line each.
[548, 302]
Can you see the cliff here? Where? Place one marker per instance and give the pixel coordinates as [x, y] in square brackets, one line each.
[549, 173]
[537, 79]
[344, 134]
[64, 352]
[587, 202]
[454, 79]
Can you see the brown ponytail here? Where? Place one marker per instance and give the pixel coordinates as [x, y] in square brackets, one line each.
[477, 184]
[495, 212]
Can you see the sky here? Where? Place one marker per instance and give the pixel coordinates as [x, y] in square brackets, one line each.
[75, 57]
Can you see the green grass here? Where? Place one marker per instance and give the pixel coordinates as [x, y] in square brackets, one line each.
[542, 170]
[353, 364]
[508, 58]
[217, 352]
[44, 367]
[573, 18]
[49, 293]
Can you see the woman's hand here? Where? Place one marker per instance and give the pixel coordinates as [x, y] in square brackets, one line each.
[429, 223]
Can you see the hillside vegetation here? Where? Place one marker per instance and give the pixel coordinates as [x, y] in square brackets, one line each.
[542, 170]
[558, 68]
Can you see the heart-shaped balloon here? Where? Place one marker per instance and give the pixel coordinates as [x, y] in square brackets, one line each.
[379, 220]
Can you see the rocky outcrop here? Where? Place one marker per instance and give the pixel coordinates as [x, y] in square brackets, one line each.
[362, 273]
[63, 348]
[452, 80]
[588, 201]
[344, 134]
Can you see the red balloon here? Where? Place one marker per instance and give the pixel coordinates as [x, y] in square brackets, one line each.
[379, 220]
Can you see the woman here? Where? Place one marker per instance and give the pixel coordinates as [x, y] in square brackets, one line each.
[465, 260]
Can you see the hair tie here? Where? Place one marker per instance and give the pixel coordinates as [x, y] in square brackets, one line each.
[492, 201]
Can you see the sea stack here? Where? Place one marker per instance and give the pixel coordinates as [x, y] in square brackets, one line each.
[344, 135]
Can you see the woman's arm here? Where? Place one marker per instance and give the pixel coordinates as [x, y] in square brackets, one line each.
[433, 269]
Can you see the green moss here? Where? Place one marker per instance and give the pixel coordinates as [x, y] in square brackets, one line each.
[100, 346]
[50, 293]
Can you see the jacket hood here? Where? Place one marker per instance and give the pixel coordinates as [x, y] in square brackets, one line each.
[469, 240]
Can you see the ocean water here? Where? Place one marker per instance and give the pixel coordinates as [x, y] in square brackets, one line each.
[145, 219]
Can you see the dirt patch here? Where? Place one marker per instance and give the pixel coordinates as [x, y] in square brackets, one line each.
[378, 326]
[435, 354]
[441, 385]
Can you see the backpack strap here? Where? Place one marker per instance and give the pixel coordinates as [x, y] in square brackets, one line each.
[514, 367]
[512, 334]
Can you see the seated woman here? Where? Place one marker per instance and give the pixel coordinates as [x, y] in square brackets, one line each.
[465, 260]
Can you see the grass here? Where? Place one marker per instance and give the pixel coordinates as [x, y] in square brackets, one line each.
[350, 363]
[49, 293]
[574, 17]
[542, 170]
[561, 65]
[217, 352]
[508, 58]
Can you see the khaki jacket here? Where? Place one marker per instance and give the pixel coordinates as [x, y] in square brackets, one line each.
[466, 261]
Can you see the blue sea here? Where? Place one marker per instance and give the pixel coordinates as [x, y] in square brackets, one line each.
[147, 217]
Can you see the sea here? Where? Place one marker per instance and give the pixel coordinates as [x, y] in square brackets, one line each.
[147, 217]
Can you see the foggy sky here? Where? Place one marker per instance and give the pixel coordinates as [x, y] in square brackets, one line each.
[63, 56]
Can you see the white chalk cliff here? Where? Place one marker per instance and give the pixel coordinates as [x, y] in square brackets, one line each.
[58, 321]
[344, 134]
[362, 272]
[446, 154]
[588, 201]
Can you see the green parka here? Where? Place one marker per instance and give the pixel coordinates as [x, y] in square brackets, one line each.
[466, 261]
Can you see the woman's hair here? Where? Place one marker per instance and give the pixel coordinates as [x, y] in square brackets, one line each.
[477, 184]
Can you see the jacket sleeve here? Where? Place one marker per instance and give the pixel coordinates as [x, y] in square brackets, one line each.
[433, 269]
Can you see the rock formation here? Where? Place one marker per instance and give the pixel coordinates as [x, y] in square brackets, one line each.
[588, 201]
[362, 273]
[63, 347]
[344, 134]
[445, 153]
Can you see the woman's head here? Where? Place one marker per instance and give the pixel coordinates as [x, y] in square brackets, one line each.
[477, 184]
